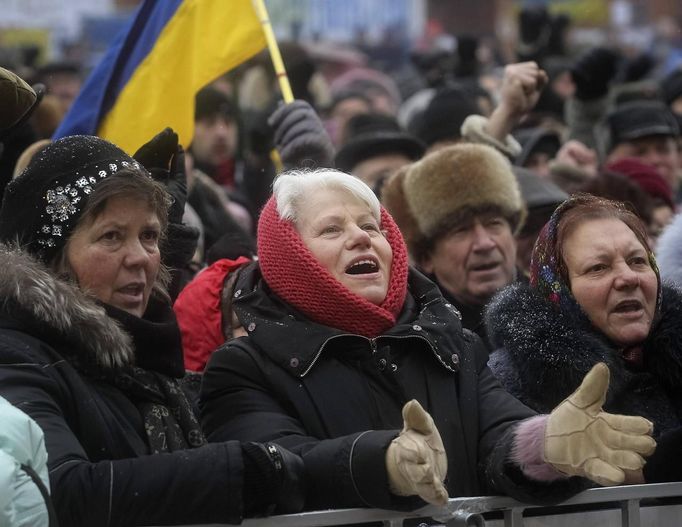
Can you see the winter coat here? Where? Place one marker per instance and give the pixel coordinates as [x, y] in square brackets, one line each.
[204, 312]
[542, 358]
[669, 252]
[22, 458]
[100, 469]
[336, 398]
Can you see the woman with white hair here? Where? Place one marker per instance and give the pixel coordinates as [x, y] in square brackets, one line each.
[348, 348]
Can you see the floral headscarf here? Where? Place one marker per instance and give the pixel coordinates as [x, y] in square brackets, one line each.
[545, 276]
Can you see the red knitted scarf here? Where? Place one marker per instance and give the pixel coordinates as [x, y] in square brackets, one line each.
[295, 275]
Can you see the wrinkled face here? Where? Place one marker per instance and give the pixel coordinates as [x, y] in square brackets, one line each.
[611, 279]
[474, 260]
[215, 140]
[347, 240]
[657, 150]
[116, 258]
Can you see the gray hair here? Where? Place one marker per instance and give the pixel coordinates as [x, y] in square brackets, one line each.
[293, 187]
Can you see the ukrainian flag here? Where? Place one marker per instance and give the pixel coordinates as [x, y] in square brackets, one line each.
[148, 78]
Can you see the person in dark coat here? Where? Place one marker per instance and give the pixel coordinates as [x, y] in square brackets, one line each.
[342, 336]
[89, 349]
[595, 295]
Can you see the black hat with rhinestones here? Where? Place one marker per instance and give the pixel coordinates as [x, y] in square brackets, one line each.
[43, 204]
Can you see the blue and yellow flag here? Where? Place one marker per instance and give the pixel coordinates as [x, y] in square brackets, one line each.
[148, 78]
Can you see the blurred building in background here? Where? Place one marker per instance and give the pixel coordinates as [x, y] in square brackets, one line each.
[33, 32]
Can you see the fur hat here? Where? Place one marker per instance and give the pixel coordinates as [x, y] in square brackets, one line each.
[43, 204]
[451, 182]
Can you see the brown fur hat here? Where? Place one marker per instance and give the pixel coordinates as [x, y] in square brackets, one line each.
[448, 184]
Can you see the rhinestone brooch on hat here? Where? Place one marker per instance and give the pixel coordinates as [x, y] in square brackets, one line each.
[62, 201]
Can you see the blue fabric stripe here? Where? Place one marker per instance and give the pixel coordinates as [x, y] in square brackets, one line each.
[129, 49]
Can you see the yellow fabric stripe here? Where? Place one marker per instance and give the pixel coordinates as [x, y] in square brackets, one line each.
[204, 39]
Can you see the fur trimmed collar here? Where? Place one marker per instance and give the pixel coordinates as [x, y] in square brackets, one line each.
[543, 355]
[33, 296]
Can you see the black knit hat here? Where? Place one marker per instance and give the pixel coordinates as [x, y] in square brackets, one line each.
[210, 102]
[374, 134]
[43, 204]
[443, 117]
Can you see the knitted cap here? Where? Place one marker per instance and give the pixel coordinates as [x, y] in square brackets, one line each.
[646, 177]
[424, 196]
[443, 117]
[296, 276]
[43, 204]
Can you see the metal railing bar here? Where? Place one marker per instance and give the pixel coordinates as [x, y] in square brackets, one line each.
[461, 507]
[630, 513]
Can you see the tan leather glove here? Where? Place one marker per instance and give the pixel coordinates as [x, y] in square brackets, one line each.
[416, 460]
[583, 440]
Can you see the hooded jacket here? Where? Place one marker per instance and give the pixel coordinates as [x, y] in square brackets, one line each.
[335, 398]
[100, 469]
[24, 484]
[541, 358]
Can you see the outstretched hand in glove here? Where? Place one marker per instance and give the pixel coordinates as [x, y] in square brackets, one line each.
[415, 460]
[583, 440]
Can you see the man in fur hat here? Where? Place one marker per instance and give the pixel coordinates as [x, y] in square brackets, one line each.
[459, 209]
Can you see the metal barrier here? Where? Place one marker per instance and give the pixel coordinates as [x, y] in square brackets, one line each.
[623, 503]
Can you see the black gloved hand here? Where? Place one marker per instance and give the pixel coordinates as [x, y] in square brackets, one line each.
[165, 160]
[593, 72]
[300, 136]
[274, 480]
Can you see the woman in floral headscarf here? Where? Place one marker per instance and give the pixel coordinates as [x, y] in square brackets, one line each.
[595, 295]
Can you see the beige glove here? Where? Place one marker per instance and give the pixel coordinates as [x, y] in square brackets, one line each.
[583, 440]
[415, 460]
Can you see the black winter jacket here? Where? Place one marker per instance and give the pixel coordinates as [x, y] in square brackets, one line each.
[336, 398]
[101, 472]
[542, 357]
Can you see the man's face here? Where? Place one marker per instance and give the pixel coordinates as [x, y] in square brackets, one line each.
[659, 151]
[215, 140]
[475, 259]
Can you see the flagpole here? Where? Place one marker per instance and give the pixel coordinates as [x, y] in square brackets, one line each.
[273, 48]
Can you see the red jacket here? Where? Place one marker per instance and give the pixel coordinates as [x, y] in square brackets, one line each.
[199, 313]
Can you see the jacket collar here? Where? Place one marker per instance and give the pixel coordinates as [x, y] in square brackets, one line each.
[36, 301]
[295, 342]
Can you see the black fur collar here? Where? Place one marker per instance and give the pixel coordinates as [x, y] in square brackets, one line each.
[550, 354]
[36, 299]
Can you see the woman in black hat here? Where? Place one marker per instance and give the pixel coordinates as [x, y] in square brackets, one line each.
[90, 349]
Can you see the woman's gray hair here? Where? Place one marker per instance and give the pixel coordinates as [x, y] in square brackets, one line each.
[293, 187]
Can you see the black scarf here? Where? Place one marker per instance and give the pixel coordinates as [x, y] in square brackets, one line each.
[152, 385]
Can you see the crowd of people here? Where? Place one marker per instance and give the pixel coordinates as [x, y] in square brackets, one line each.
[467, 287]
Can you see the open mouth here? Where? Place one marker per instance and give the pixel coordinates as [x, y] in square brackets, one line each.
[133, 290]
[485, 267]
[628, 306]
[363, 266]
